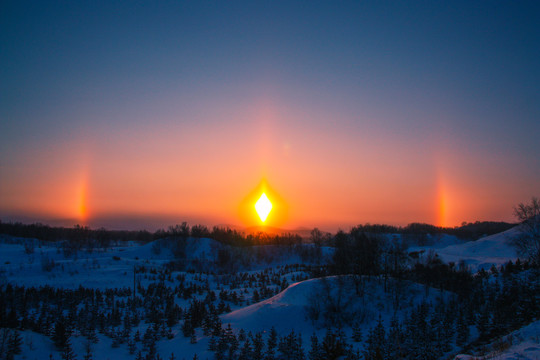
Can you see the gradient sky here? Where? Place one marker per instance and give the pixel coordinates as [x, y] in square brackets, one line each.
[352, 112]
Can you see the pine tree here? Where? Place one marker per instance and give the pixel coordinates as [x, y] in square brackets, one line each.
[132, 346]
[376, 342]
[14, 344]
[242, 335]
[91, 334]
[332, 347]
[67, 352]
[462, 331]
[217, 328]
[290, 347]
[221, 348]
[271, 344]
[483, 324]
[59, 335]
[232, 342]
[88, 350]
[207, 325]
[88, 355]
[149, 339]
[212, 343]
[258, 346]
[315, 350]
[186, 328]
[357, 332]
[246, 353]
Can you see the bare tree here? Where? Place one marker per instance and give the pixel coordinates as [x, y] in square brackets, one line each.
[528, 243]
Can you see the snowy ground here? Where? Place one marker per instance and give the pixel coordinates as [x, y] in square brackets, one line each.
[479, 254]
[285, 311]
[520, 344]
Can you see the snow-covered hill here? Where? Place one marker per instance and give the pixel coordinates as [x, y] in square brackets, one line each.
[305, 306]
[479, 254]
[520, 344]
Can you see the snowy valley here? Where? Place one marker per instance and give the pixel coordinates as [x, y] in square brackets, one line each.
[197, 298]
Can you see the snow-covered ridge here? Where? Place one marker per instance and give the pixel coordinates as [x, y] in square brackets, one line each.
[479, 254]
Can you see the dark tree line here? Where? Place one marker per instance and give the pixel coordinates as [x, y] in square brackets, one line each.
[468, 231]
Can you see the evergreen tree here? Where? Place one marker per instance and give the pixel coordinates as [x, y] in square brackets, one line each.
[60, 335]
[376, 342]
[212, 343]
[221, 348]
[88, 355]
[246, 352]
[462, 331]
[132, 346]
[395, 340]
[332, 347]
[14, 344]
[357, 332]
[207, 325]
[232, 342]
[290, 347]
[271, 344]
[88, 350]
[258, 346]
[242, 335]
[187, 328]
[67, 352]
[483, 324]
[315, 349]
[91, 334]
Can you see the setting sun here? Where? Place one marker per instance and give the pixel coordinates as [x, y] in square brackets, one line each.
[263, 207]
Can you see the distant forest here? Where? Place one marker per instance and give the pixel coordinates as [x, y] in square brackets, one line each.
[103, 237]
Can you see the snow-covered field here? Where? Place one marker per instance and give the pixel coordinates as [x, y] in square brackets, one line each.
[257, 296]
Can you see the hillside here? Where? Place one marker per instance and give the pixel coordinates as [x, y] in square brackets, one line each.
[488, 251]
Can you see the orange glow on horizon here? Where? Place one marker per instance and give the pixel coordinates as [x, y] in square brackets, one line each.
[323, 176]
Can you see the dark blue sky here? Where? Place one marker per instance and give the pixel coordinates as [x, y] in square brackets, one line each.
[420, 91]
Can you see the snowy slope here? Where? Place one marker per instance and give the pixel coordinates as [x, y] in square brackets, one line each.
[520, 344]
[288, 310]
[98, 269]
[478, 254]
[483, 253]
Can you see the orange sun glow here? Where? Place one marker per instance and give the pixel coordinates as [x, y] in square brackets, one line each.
[270, 208]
